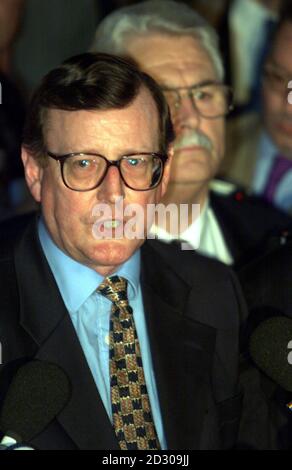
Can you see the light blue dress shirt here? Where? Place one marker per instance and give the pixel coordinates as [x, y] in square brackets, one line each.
[90, 315]
[267, 153]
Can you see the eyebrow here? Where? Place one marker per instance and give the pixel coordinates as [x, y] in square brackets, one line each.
[195, 85]
[95, 152]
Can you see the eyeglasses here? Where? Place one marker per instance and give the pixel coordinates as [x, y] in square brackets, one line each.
[86, 171]
[211, 100]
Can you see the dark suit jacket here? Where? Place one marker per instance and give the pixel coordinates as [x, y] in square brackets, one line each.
[192, 307]
[267, 284]
[250, 225]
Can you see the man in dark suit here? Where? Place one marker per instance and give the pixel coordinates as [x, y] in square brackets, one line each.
[179, 49]
[99, 131]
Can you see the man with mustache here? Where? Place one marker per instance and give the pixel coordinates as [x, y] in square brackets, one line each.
[171, 42]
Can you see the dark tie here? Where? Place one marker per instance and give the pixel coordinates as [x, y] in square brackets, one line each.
[132, 417]
[279, 169]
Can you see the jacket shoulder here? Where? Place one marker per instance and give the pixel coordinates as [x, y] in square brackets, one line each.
[250, 212]
[237, 199]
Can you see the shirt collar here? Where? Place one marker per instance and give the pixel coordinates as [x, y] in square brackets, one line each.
[76, 281]
[192, 232]
[266, 145]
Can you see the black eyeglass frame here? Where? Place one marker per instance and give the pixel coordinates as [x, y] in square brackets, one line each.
[117, 163]
[197, 86]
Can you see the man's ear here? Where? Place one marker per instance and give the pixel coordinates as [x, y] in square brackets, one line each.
[166, 174]
[33, 173]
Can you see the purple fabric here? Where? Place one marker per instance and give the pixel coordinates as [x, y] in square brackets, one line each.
[279, 169]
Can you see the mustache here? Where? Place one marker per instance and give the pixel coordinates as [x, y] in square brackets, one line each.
[193, 138]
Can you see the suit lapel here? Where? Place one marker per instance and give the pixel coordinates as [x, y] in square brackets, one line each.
[46, 320]
[182, 350]
[84, 418]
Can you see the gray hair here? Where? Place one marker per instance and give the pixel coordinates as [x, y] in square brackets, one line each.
[154, 16]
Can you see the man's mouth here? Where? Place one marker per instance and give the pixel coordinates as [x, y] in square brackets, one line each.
[110, 228]
[110, 224]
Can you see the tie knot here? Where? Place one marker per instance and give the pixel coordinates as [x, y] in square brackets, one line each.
[114, 288]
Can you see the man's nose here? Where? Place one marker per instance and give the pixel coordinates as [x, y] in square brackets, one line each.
[112, 187]
[187, 115]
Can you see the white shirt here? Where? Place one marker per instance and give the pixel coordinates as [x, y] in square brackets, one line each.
[203, 235]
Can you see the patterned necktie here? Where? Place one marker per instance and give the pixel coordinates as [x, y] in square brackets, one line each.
[132, 417]
[279, 169]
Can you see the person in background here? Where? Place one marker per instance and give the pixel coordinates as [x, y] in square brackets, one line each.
[260, 155]
[175, 45]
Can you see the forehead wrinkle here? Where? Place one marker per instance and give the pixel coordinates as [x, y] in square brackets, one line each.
[113, 129]
[164, 58]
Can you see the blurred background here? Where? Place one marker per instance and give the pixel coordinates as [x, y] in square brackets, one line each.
[52, 30]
